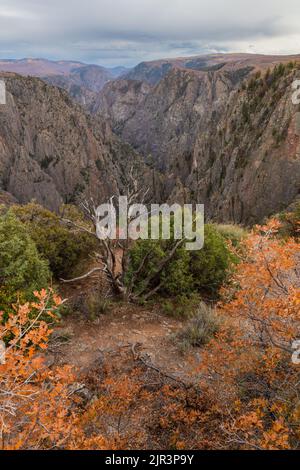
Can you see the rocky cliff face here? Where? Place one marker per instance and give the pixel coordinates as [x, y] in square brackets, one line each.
[82, 83]
[248, 165]
[120, 101]
[152, 72]
[164, 122]
[50, 150]
[223, 131]
[228, 132]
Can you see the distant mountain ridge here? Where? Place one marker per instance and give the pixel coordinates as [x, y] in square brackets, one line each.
[38, 67]
[153, 71]
[81, 81]
[53, 152]
[224, 124]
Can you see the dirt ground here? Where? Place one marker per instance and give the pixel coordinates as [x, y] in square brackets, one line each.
[78, 341]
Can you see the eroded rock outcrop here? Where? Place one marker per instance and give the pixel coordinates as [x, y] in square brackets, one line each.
[228, 132]
[51, 151]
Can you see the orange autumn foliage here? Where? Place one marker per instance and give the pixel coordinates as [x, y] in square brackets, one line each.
[37, 410]
[244, 395]
[249, 363]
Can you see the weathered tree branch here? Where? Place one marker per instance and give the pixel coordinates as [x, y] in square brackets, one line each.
[80, 278]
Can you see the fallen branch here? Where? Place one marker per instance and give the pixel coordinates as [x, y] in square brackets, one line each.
[82, 277]
[138, 357]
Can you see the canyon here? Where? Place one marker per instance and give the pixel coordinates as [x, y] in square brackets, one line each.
[220, 130]
[52, 151]
[226, 127]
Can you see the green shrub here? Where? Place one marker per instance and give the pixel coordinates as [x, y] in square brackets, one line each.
[62, 247]
[290, 222]
[175, 278]
[211, 266]
[187, 272]
[92, 304]
[168, 307]
[182, 307]
[233, 233]
[200, 330]
[22, 270]
[97, 305]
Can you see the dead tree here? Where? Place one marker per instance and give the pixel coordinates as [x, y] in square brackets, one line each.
[113, 256]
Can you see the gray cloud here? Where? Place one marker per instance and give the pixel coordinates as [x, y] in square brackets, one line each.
[128, 31]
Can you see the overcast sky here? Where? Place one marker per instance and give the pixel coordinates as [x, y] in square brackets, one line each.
[125, 32]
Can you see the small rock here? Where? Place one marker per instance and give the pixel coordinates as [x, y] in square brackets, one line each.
[81, 390]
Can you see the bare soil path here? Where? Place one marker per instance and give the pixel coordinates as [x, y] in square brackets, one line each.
[124, 326]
